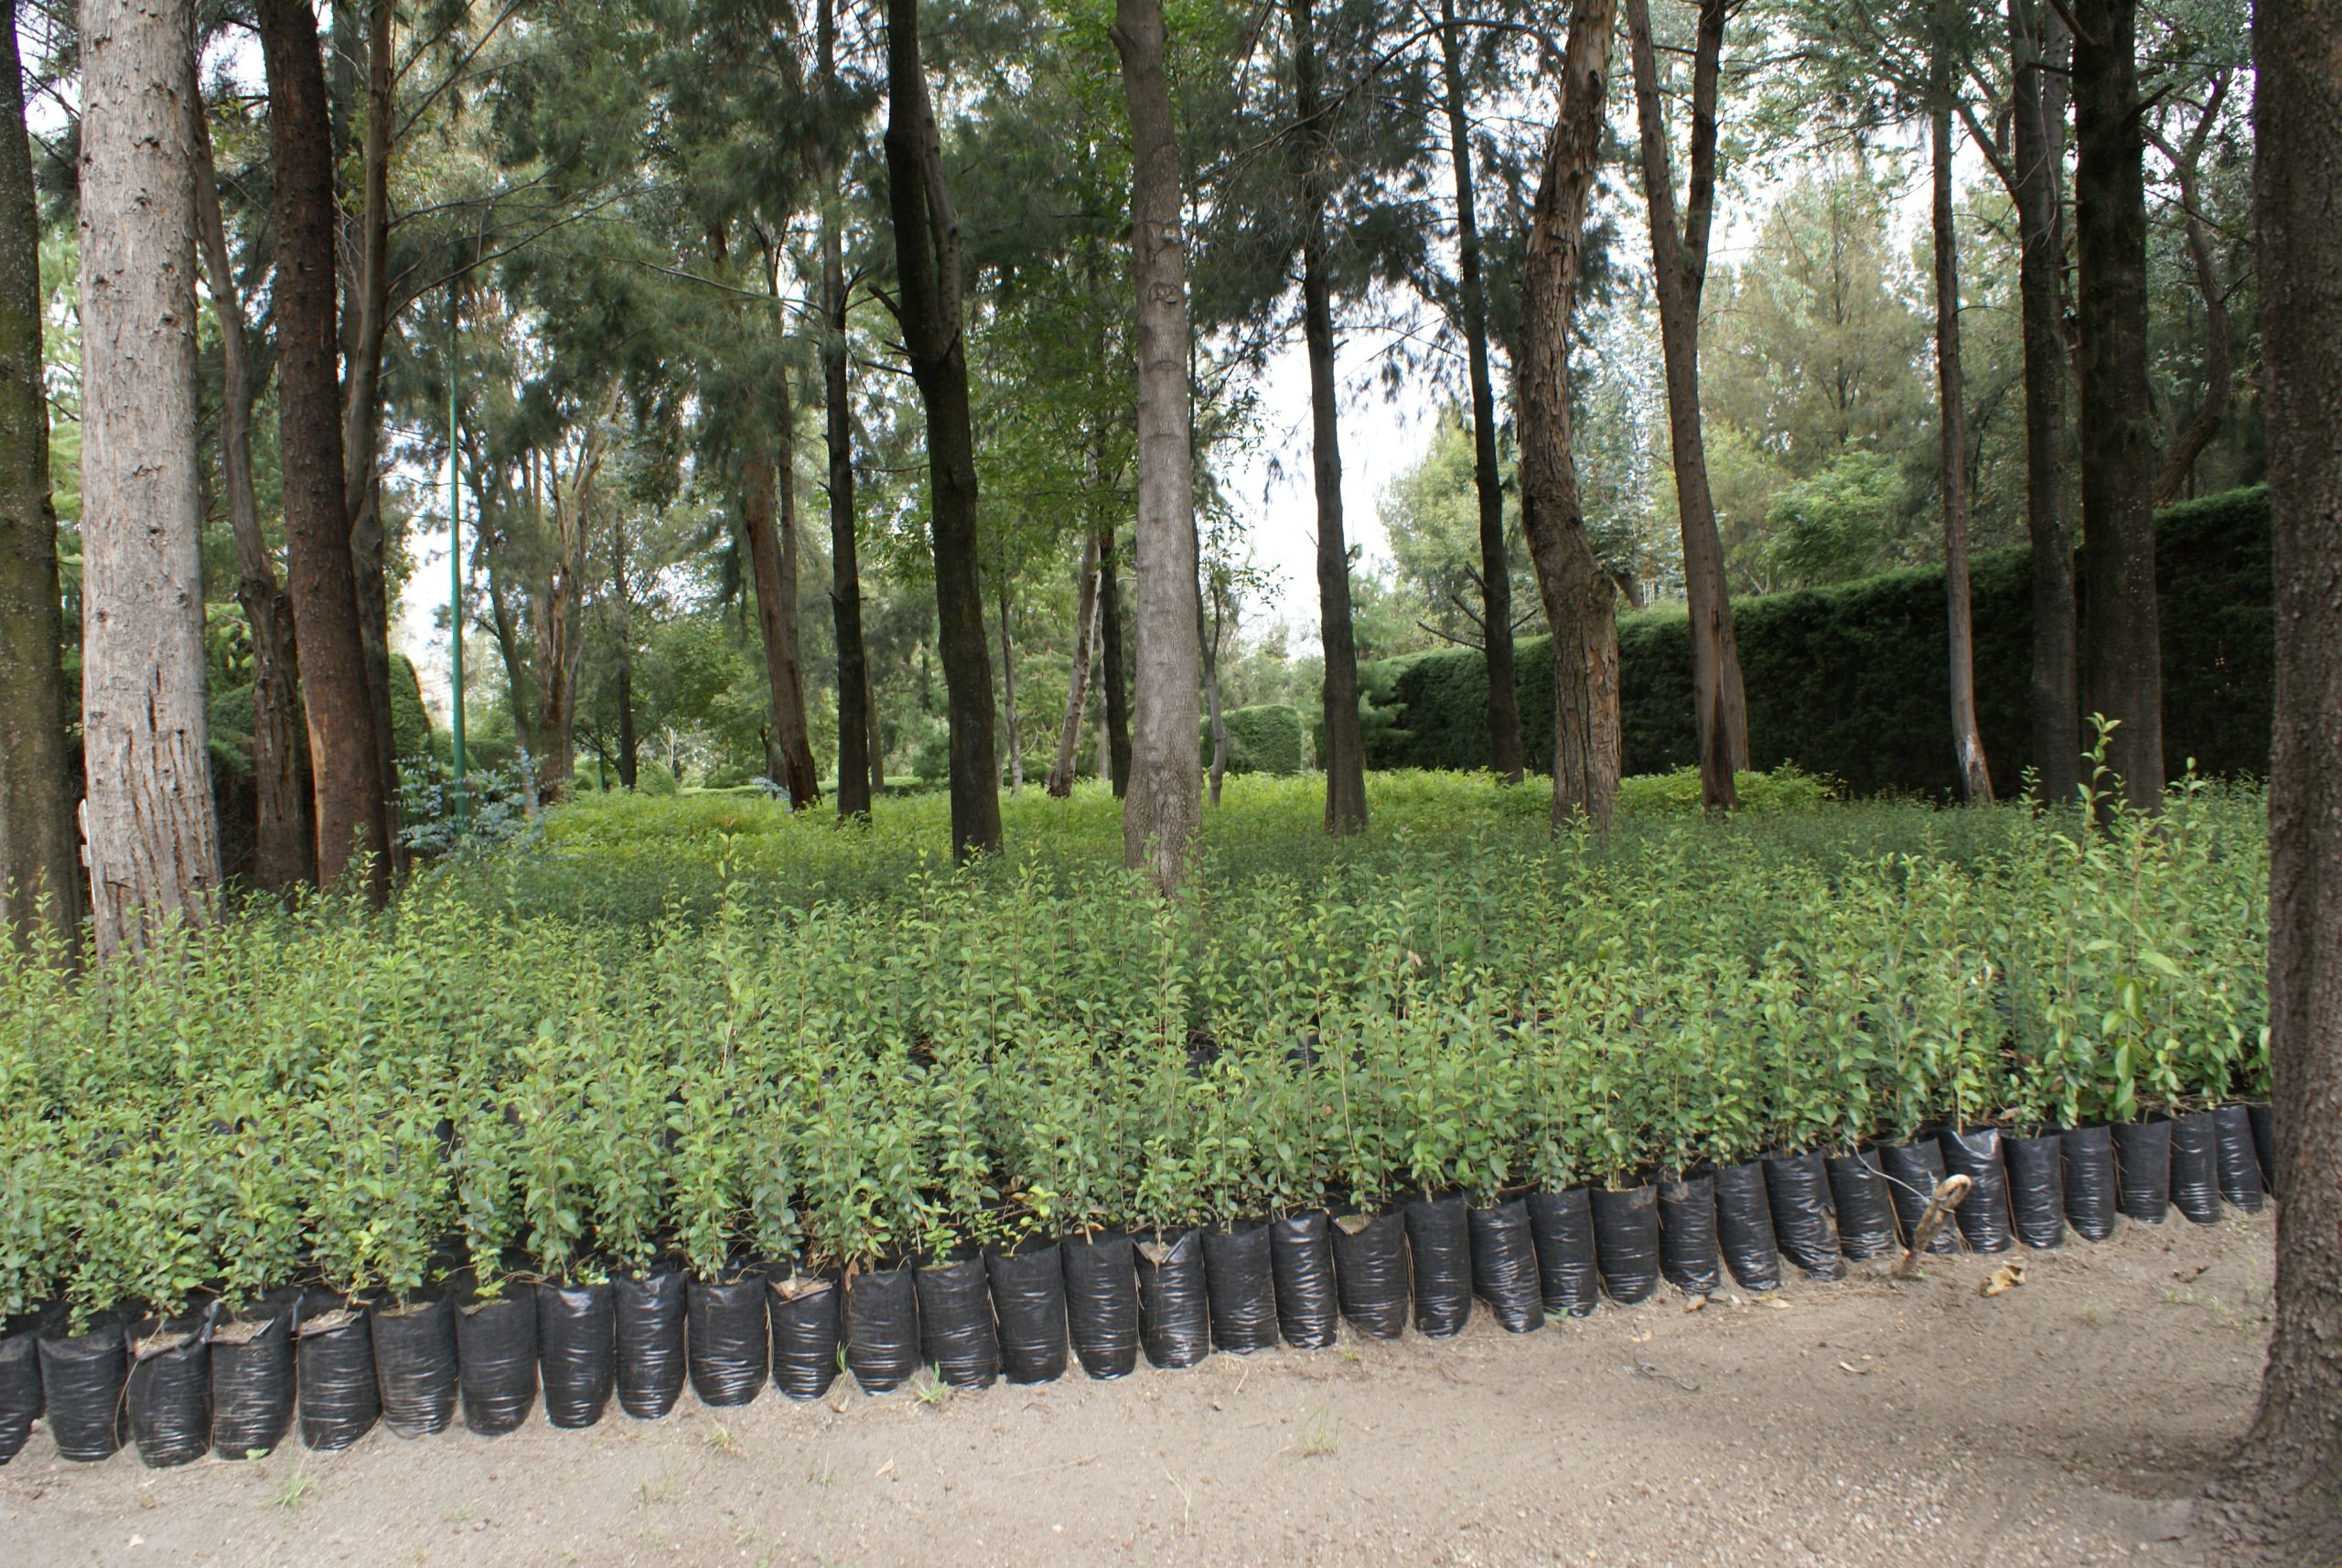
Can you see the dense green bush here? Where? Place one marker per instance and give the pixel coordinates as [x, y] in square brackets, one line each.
[1037, 1044]
[1850, 682]
[1264, 739]
[410, 720]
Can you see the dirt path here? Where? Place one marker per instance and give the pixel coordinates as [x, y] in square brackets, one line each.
[2056, 1424]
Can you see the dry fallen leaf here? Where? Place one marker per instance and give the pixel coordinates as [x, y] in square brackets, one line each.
[2007, 1277]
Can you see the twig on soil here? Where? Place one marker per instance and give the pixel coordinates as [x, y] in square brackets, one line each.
[1949, 1193]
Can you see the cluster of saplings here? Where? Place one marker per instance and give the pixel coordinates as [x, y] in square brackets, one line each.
[383, 1168]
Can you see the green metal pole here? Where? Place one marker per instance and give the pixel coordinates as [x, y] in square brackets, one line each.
[455, 566]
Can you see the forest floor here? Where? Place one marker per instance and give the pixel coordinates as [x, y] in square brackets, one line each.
[2063, 1421]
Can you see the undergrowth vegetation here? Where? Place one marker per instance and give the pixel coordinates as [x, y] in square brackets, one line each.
[779, 1038]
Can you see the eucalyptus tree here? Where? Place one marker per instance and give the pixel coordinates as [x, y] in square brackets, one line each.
[2282, 1493]
[1580, 595]
[40, 879]
[152, 844]
[1679, 274]
[929, 309]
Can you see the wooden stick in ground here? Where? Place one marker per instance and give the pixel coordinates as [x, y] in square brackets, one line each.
[1949, 1192]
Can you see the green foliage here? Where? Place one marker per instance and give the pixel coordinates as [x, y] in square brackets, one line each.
[409, 721]
[1849, 681]
[1264, 739]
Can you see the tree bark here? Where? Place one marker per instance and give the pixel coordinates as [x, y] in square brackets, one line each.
[2205, 423]
[345, 746]
[2122, 666]
[622, 648]
[1345, 758]
[284, 846]
[560, 601]
[2283, 1492]
[926, 266]
[1085, 629]
[1967, 740]
[1008, 692]
[1581, 599]
[2039, 47]
[1506, 757]
[40, 874]
[1679, 270]
[1165, 806]
[1111, 667]
[772, 548]
[858, 763]
[362, 408]
[153, 852]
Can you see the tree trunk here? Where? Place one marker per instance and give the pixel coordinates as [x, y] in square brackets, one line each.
[1506, 756]
[1345, 758]
[284, 846]
[1165, 807]
[878, 740]
[769, 517]
[1679, 269]
[153, 852]
[1581, 599]
[2039, 47]
[927, 252]
[2283, 1492]
[2121, 667]
[858, 763]
[2205, 424]
[561, 604]
[1111, 664]
[40, 875]
[345, 747]
[362, 408]
[1008, 692]
[1085, 629]
[1968, 741]
[1219, 771]
[622, 648]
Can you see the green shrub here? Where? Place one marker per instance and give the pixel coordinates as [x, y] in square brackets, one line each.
[410, 720]
[1264, 739]
[1849, 681]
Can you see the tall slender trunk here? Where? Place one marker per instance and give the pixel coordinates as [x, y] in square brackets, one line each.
[878, 740]
[927, 252]
[284, 846]
[622, 647]
[2283, 1492]
[1076, 697]
[769, 516]
[1345, 758]
[1506, 756]
[1581, 599]
[858, 763]
[561, 597]
[2187, 158]
[1165, 807]
[1680, 269]
[1968, 741]
[2122, 664]
[153, 850]
[1008, 692]
[362, 407]
[345, 745]
[40, 877]
[1112, 661]
[1218, 774]
[2039, 46]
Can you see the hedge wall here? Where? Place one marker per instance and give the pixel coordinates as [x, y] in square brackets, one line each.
[1264, 739]
[1850, 681]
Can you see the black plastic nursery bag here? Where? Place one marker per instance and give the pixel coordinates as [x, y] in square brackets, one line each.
[2195, 1167]
[1626, 1241]
[1028, 1301]
[1914, 1171]
[1174, 1308]
[339, 1400]
[495, 1355]
[1744, 1227]
[1101, 1303]
[1504, 1265]
[577, 1352]
[253, 1378]
[415, 1364]
[1687, 1235]
[1439, 1246]
[1983, 1215]
[957, 1335]
[2036, 1168]
[169, 1392]
[882, 1329]
[84, 1377]
[2086, 1169]
[1865, 1205]
[2240, 1166]
[1239, 1281]
[1568, 1277]
[2143, 1170]
[1301, 1249]
[1798, 1187]
[727, 1342]
[1370, 1272]
[650, 1311]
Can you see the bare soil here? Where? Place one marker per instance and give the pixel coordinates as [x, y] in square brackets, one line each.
[2063, 1421]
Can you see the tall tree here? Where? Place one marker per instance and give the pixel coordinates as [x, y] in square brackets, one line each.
[2187, 158]
[344, 742]
[1076, 697]
[153, 847]
[1506, 756]
[1165, 806]
[367, 327]
[1345, 758]
[768, 520]
[1968, 741]
[857, 737]
[1679, 273]
[1112, 665]
[2282, 1493]
[2121, 659]
[40, 879]
[284, 846]
[2039, 47]
[927, 268]
[1580, 598]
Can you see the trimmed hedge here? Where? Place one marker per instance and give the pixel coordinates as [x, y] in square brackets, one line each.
[1264, 739]
[1851, 680]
